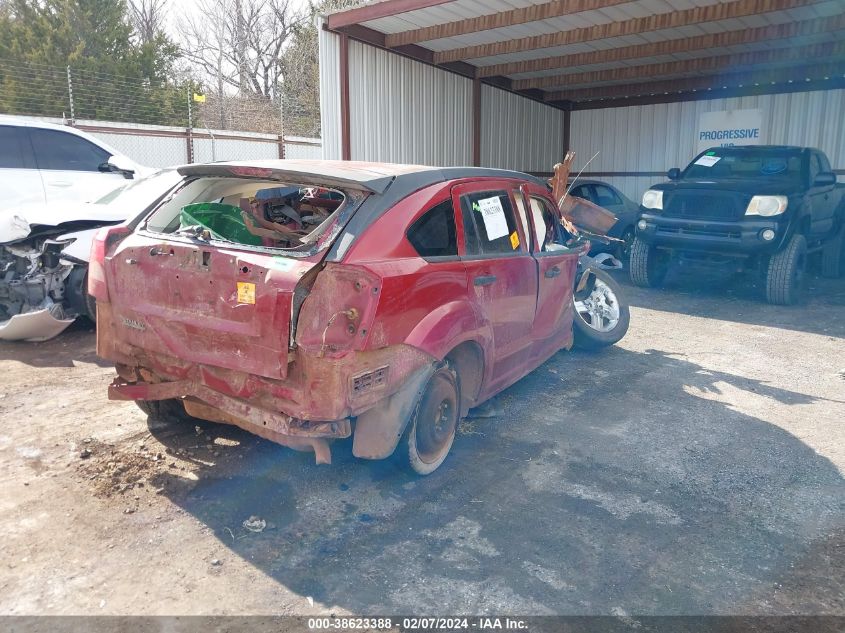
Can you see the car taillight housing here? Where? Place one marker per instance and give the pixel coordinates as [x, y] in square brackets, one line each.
[338, 312]
[104, 242]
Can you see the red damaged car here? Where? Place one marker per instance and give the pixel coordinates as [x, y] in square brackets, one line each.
[310, 301]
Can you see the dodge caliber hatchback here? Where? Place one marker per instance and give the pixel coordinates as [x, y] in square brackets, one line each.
[311, 301]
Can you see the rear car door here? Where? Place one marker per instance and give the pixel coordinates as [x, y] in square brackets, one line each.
[70, 166]
[556, 266]
[501, 273]
[19, 177]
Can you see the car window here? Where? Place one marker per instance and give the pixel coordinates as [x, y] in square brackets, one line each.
[489, 223]
[815, 167]
[823, 162]
[433, 234]
[605, 196]
[59, 150]
[581, 192]
[546, 226]
[11, 151]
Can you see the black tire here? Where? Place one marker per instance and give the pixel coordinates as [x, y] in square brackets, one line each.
[648, 266]
[164, 410]
[785, 274]
[833, 255]
[434, 423]
[623, 253]
[591, 332]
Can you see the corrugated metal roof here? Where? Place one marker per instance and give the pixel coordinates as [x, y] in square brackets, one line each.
[462, 11]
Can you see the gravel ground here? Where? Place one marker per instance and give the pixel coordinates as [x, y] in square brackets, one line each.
[695, 468]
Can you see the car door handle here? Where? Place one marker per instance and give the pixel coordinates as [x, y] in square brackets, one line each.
[552, 272]
[484, 280]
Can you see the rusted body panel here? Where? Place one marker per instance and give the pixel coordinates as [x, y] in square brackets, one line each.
[303, 350]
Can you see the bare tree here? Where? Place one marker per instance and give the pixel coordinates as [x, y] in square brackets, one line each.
[239, 43]
[148, 18]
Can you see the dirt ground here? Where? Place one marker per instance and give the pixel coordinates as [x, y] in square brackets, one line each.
[694, 468]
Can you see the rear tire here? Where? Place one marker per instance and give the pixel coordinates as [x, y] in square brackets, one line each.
[602, 317]
[785, 275]
[164, 410]
[648, 266]
[833, 255]
[434, 422]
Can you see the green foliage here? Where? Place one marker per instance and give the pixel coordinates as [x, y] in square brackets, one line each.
[114, 75]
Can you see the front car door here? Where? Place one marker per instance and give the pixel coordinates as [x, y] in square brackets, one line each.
[19, 177]
[501, 273]
[556, 264]
[70, 166]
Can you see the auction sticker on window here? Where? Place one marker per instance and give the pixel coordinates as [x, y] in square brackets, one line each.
[495, 222]
[708, 161]
[246, 292]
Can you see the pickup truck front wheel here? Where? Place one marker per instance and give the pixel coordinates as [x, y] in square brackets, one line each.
[648, 265]
[833, 255]
[785, 274]
[433, 426]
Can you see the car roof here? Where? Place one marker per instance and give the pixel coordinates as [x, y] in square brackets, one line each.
[373, 177]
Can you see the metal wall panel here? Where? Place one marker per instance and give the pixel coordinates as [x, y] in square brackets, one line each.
[654, 138]
[403, 111]
[517, 133]
[329, 45]
[233, 149]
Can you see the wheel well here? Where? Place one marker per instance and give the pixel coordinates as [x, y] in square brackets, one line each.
[468, 362]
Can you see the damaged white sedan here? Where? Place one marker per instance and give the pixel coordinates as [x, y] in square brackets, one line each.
[44, 255]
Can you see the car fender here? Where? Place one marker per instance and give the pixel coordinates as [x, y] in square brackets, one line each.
[80, 248]
[449, 325]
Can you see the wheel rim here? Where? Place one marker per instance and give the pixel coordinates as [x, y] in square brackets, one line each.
[600, 310]
[436, 422]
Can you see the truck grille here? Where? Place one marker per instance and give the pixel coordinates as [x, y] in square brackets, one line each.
[704, 206]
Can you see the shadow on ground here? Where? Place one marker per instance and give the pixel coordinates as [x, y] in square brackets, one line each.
[739, 297]
[77, 343]
[588, 495]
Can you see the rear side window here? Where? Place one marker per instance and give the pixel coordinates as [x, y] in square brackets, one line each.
[11, 151]
[59, 150]
[605, 196]
[433, 234]
[489, 223]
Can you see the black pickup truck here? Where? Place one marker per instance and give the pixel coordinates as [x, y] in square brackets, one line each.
[752, 207]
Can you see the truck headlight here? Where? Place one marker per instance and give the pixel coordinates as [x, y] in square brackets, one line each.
[767, 206]
[653, 199]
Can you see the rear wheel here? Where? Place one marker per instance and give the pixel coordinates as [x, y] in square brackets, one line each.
[601, 318]
[434, 422]
[833, 255]
[648, 265]
[785, 274]
[164, 410]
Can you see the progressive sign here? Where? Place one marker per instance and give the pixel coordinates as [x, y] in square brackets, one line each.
[729, 127]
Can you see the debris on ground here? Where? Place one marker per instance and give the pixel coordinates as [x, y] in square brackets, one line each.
[254, 524]
[85, 453]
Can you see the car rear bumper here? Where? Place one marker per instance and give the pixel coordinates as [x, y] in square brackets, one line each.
[738, 238]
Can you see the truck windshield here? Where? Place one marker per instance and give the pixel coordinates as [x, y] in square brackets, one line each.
[745, 163]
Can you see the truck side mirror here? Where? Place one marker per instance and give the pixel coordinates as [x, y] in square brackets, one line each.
[674, 173]
[825, 179]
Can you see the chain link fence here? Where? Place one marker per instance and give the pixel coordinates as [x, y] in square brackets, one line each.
[73, 93]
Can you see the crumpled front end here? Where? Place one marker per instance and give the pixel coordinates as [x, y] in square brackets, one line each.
[40, 291]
